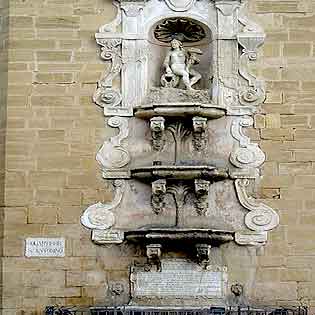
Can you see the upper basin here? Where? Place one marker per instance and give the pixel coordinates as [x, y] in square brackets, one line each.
[180, 172]
[179, 110]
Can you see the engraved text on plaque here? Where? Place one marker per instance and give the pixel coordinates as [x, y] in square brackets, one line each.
[179, 278]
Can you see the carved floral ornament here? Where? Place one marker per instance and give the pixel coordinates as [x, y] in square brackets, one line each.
[178, 111]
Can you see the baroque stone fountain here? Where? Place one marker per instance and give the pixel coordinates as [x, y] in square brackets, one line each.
[180, 93]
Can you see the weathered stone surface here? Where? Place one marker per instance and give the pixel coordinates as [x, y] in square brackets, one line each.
[179, 279]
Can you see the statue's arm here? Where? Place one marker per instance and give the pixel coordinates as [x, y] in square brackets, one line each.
[166, 62]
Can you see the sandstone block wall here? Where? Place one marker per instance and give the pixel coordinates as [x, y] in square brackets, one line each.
[4, 23]
[54, 131]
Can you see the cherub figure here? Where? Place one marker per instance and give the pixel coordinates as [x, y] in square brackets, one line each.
[178, 65]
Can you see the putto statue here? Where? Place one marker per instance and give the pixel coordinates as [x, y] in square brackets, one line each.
[178, 66]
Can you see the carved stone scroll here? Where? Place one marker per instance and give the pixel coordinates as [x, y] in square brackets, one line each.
[247, 154]
[260, 217]
[100, 216]
[112, 154]
[105, 95]
[250, 39]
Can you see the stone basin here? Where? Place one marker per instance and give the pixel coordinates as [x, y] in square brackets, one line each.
[172, 235]
[209, 111]
[180, 172]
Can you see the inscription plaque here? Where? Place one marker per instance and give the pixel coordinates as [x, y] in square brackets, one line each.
[45, 247]
[180, 278]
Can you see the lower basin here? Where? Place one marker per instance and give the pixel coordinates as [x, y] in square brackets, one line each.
[179, 110]
[185, 236]
[180, 172]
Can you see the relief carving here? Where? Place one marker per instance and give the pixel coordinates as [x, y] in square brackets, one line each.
[158, 195]
[202, 194]
[199, 133]
[100, 216]
[178, 66]
[105, 95]
[132, 9]
[260, 217]
[250, 39]
[157, 126]
[112, 154]
[247, 154]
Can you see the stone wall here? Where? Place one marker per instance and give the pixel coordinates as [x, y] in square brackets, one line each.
[285, 131]
[4, 32]
[54, 131]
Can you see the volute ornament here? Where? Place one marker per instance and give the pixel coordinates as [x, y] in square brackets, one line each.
[105, 95]
[260, 217]
[100, 216]
[112, 154]
[246, 154]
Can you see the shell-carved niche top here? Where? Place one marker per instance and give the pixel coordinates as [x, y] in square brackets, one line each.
[181, 29]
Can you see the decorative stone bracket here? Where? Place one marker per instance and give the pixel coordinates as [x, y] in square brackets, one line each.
[199, 133]
[202, 195]
[157, 126]
[160, 189]
[158, 195]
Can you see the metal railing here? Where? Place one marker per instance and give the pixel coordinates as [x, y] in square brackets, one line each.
[55, 310]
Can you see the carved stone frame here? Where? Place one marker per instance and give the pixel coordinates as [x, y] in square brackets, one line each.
[234, 88]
